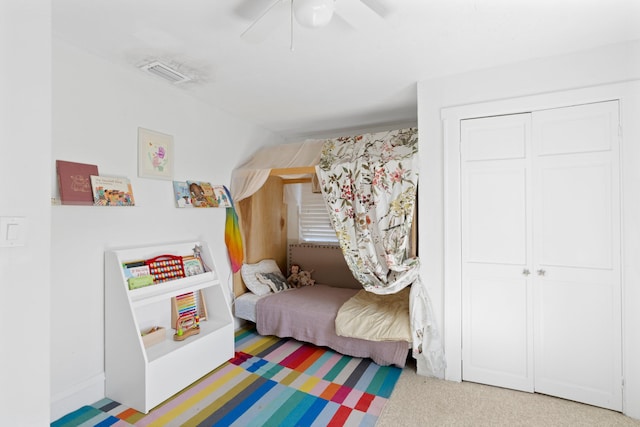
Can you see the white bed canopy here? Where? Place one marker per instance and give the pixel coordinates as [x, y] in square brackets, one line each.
[284, 160]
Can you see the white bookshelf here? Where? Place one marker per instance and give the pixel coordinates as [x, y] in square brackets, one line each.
[140, 377]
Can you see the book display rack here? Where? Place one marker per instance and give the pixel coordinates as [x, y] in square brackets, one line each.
[146, 359]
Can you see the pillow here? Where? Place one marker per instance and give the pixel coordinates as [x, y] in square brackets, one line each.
[275, 281]
[249, 271]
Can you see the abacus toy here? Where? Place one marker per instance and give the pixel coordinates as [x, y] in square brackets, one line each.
[165, 267]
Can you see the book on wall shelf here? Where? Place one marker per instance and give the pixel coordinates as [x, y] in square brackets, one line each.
[182, 195]
[112, 191]
[204, 195]
[74, 182]
[201, 194]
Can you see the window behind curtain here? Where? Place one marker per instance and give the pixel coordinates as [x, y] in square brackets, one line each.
[313, 220]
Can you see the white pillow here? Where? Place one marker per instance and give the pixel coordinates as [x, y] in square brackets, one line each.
[249, 271]
[275, 281]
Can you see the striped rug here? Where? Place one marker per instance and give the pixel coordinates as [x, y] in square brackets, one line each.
[269, 382]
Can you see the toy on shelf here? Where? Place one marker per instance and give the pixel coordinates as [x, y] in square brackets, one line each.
[153, 336]
[186, 326]
[197, 253]
[165, 267]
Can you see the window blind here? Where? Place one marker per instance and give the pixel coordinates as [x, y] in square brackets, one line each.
[314, 222]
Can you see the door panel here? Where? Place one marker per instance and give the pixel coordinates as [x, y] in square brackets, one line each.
[578, 129]
[498, 351]
[492, 138]
[575, 218]
[576, 352]
[577, 312]
[496, 213]
[497, 302]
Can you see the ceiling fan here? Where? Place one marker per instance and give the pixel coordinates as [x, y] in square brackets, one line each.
[313, 14]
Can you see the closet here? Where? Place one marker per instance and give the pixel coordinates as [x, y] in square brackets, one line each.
[540, 252]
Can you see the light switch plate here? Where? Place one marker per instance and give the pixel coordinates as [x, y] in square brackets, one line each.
[13, 231]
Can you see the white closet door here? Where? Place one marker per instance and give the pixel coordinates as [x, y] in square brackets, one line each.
[496, 251]
[577, 254]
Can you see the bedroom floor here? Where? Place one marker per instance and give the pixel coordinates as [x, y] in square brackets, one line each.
[419, 401]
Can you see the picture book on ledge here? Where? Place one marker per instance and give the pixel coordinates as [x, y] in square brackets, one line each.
[112, 191]
[182, 195]
[200, 194]
[74, 182]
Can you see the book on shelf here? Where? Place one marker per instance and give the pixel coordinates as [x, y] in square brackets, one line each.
[181, 194]
[74, 182]
[136, 270]
[112, 191]
[192, 265]
[220, 195]
[202, 194]
[140, 281]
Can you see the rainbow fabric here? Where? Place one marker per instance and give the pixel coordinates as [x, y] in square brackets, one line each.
[270, 382]
[232, 236]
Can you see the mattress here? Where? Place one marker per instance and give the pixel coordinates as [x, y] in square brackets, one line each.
[245, 306]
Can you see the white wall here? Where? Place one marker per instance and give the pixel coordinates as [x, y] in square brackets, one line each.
[97, 109]
[617, 63]
[25, 152]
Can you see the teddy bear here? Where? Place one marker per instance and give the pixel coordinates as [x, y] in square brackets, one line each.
[305, 278]
[299, 277]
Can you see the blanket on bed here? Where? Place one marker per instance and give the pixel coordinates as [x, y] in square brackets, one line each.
[379, 317]
[308, 314]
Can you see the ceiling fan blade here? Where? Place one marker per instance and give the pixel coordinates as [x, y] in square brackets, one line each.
[267, 22]
[251, 9]
[378, 7]
[358, 14]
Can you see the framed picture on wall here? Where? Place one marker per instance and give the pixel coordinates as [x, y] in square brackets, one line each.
[155, 154]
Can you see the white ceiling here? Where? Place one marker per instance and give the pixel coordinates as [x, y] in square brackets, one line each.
[337, 78]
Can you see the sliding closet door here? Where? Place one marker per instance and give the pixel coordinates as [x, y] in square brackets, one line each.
[577, 254]
[496, 252]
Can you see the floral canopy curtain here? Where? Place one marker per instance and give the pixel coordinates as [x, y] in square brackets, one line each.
[369, 184]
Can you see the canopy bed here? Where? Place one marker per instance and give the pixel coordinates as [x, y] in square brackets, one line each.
[368, 182]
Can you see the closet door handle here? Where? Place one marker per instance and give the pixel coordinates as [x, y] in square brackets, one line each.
[541, 272]
[526, 272]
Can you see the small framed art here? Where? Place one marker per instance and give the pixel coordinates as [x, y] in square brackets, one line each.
[155, 154]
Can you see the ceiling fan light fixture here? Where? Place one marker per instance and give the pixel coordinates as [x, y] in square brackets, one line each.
[313, 13]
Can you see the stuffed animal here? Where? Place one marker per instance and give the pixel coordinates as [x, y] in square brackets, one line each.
[305, 279]
[299, 278]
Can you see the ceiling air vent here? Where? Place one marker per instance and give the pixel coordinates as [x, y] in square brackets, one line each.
[166, 72]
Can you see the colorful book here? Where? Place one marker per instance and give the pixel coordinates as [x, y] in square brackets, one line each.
[221, 196]
[74, 182]
[182, 195]
[201, 194]
[138, 271]
[111, 191]
[140, 281]
[192, 266]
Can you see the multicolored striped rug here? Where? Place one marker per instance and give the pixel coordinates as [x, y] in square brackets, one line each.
[269, 382]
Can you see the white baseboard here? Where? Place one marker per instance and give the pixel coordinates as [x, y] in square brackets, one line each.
[84, 393]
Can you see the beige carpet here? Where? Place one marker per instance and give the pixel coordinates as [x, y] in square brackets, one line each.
[420, 401]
